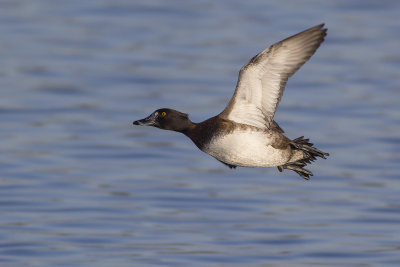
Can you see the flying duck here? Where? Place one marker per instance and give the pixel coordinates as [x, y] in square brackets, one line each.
[245, 133]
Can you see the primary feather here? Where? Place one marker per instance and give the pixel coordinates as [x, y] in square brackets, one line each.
[262, 80]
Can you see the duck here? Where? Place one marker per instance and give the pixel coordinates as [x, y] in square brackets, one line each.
[245, 133]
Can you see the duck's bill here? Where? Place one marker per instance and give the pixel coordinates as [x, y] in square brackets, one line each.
[149, 121]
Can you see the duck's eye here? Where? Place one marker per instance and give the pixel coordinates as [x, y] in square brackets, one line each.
[163, 113]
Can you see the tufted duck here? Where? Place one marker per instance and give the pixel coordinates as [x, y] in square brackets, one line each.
[245, 134]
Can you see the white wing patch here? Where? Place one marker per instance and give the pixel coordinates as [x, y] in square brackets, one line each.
[262, 80]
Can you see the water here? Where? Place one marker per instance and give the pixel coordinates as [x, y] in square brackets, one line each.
[81, 186]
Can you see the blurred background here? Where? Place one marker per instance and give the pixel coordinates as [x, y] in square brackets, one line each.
[79, 185]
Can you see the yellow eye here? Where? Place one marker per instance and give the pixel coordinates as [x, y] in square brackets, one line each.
[163, 114]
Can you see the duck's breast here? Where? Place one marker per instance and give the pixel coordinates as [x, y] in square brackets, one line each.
[247, 148]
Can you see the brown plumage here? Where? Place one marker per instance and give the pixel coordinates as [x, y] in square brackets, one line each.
[245, 133]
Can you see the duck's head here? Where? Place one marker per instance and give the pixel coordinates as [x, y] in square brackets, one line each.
[167, 119]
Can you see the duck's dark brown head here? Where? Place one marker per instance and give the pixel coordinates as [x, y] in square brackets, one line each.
[166, 119]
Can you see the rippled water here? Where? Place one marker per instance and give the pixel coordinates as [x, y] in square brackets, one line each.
[81, 186]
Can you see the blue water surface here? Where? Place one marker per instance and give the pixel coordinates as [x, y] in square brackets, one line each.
[80, 186]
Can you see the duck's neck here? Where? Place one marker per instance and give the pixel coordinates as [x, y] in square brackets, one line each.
[188, 129]
[180, 126]
[201, 133]
[194, 132]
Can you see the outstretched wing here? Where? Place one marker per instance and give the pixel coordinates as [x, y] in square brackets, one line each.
[263, 79]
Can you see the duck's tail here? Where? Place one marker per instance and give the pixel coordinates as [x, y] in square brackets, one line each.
[309, 154]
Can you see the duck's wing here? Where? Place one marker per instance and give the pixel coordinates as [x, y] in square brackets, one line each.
[263, 79]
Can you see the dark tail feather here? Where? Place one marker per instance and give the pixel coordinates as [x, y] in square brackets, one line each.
[303, 144]
[310, 154]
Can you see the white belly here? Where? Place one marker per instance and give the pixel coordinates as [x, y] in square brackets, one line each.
[248, 149]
